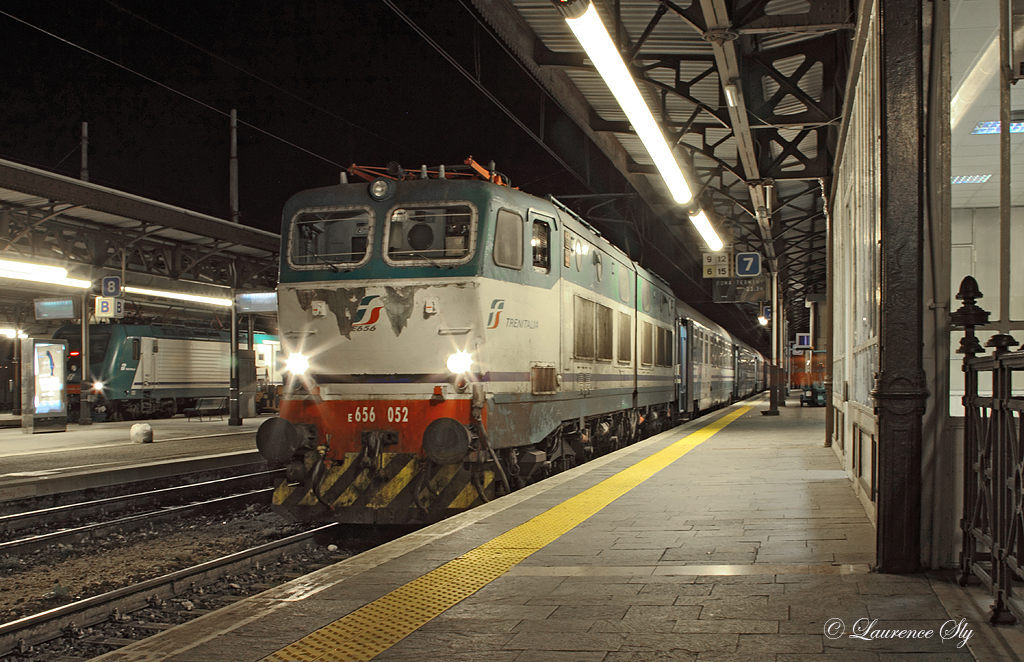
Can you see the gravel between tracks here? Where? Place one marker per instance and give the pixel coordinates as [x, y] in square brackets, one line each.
[60, 574]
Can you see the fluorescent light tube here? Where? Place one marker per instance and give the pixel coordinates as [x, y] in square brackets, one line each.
[33, 269]
[703, 225]
[593, 36]
[178, 296]
[39, 273]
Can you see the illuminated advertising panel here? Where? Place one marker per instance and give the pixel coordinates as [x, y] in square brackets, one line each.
[49, 378]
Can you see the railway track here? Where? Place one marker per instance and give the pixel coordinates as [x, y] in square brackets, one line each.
[158, 505]
[19, 635]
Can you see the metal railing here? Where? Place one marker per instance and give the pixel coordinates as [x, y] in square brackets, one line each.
[993, 516]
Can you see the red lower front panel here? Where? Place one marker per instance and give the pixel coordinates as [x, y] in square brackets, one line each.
[346, 420]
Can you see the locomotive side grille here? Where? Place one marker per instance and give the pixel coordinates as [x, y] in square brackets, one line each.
[543, 379]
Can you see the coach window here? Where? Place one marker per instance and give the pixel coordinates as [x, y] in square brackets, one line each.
[583, 328]
[664, 349]
[508, 240]
[331, 238]
[541, 244]
[625, 337]
[605, 326]
[624, 283]
[646, 350]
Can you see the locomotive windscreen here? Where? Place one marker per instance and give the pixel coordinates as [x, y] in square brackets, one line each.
[432, 233]
[98, 341]
[333, 237]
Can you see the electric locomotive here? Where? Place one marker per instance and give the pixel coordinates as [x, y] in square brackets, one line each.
[451, 338]
[151, 371]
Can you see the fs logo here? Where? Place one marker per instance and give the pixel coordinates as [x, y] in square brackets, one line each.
[497, 306]
[366, 307]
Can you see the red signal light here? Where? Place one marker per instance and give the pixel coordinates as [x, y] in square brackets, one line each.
[73, 353]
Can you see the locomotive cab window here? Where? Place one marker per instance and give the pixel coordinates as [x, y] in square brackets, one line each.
[541, 245]
[430, 234]
[98, 341]
[331, 238]
[508, 240]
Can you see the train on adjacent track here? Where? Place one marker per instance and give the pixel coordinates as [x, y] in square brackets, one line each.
[451, 338]
[139, 371]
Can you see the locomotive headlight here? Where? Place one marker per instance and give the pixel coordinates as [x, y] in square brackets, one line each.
[381, 189]
[97, 386]
[460, 362]
[297, 364]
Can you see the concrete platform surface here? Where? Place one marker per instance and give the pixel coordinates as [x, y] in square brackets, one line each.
[28, 458]
[748, 546]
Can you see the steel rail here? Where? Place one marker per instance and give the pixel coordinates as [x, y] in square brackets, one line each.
[50, 624]
[169, 512]
[17, 521]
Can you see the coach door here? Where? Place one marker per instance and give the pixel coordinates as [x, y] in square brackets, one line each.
[150, 347]
[684, 361]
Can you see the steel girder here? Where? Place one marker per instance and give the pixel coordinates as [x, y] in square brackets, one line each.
[760, 165]
[53, 233]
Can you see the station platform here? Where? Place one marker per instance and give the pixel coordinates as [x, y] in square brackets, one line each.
[733, 537]
[47, 462]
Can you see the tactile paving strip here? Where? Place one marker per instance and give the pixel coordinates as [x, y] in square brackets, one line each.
[374, 628]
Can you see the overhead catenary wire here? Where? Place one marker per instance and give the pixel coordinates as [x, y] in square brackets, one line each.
[170, 89]
[255, 76]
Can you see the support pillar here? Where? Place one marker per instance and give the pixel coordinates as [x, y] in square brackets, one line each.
[774, 388]
[86, 379]
[900, 392]
[16, 363]
[234, 411]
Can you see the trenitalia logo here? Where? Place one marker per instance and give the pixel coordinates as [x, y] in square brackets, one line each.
[497, 306]
[364, 307]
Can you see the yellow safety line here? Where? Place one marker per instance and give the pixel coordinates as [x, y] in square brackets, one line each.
[374, 628]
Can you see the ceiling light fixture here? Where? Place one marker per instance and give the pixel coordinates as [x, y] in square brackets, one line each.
[987, 128]
[731, 95]
[970, 179]
[178, 296]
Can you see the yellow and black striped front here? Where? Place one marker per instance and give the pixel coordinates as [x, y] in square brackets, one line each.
[384, 490]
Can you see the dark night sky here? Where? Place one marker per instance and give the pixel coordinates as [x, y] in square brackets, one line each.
[367, 89]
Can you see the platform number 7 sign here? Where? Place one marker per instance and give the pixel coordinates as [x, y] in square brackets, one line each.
[748, 264]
